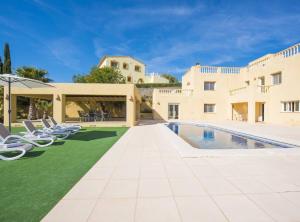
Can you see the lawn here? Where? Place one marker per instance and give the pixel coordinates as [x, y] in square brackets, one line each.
[31, 186]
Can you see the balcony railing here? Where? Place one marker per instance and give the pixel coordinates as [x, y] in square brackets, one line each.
[237, 90]
[263, 88]
[260, 89]
[223, 70]
[186, 92]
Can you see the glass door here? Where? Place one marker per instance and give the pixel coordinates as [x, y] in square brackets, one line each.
[173, 111]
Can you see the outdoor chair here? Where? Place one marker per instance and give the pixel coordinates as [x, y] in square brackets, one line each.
[55, 125]
[14, 147]
[6, 138]
[32, 130]
[83, 117]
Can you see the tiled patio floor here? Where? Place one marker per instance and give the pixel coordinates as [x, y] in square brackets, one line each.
[143, 177]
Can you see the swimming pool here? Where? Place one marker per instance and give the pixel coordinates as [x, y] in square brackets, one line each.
[208, 137]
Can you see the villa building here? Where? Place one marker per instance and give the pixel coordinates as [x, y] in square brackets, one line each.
[266, 90]
[132, 69]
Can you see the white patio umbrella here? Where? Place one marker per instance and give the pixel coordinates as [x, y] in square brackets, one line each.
[12, 80]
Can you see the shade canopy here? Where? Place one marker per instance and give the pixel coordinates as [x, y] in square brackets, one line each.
[11, 80]
[17, 81]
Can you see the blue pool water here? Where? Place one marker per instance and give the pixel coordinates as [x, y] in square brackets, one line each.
[207, 137]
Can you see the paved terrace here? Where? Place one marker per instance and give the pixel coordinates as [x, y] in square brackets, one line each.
[145, 177]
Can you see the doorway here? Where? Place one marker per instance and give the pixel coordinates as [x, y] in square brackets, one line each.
[261, 84]
[173, 111]
[260, 112]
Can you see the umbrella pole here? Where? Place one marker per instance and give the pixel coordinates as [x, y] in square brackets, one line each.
[9, 105]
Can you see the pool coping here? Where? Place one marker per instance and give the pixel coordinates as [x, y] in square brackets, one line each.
[188, 151]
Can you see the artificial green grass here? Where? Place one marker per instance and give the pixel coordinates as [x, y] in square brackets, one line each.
[32, 185]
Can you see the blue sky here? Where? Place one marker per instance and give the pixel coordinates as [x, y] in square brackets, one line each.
[69, 37]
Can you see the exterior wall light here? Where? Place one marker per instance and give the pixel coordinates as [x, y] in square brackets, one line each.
[158, 103]
[58, 98]
[7, 97]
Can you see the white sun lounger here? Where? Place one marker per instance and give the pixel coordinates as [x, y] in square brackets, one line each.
[47, 126]
[6, 138]
[21, 148]
[72, 127]
[32, 130]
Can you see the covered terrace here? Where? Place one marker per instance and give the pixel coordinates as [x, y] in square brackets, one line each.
[88, 104]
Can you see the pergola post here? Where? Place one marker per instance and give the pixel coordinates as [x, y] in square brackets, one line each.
[251, 111]
[13, 108]
[59, 107]
[130, 110]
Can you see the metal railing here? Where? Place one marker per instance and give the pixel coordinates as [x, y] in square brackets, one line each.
[260, 89]
[263, 88]
[186, 92]
[237, 90]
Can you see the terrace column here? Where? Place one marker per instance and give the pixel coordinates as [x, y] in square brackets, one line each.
[251, 112]
[130, 110]
[5, 107]
[59, 107]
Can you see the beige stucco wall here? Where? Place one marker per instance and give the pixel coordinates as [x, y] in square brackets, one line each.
[59, 91]
[135, 75]
[155, 78]
[231, 88]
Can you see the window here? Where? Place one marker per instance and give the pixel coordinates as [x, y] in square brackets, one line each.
[276, 78]
[128, 78]
[137, 68]
[125, 66]
[140, 81]
[209, 86]
[114, 64]
[291, 106]
[209, 108]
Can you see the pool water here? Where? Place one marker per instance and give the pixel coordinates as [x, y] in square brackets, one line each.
[207, 137]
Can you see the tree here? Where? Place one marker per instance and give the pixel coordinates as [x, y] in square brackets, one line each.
[1, 66]
[79, 78]
[171, 78]
[33, 73]
[44, 106]
[7, 61]
[100, 75]
[1, 92]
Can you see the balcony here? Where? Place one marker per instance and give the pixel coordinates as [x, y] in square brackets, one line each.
[259, 89]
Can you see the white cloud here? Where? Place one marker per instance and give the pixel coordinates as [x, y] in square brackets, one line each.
[65, 52]
[158, 10]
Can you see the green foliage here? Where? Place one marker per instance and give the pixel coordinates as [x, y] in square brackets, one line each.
[33, 73]
[100, 75]
[44, 106]
[7, 61]
[158, 85]
[171, 78]
[78, 78]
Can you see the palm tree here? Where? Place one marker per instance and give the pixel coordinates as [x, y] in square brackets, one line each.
[33, 73]
[43, 106]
